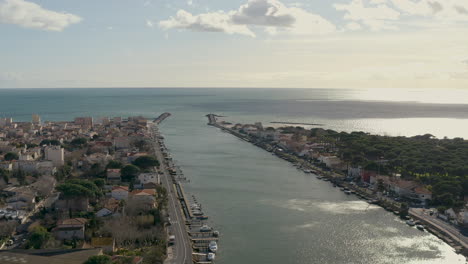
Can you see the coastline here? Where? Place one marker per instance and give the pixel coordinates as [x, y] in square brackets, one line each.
[337, 180]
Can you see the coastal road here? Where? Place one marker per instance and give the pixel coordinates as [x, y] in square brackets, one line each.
[442, 225]
[182, 249]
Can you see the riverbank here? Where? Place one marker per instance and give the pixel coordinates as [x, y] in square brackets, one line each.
[338, 180]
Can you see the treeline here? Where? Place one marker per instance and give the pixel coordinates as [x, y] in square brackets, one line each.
[442, 164]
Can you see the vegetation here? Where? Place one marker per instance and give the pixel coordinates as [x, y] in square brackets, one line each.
[38, 238]
[103, 259]
[146, 162]
[129, 173]
[439, 163]
[11, 156]
[79, 142]
[79, 188]
[114, 164]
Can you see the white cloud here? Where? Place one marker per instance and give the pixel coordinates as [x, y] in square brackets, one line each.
[272, 15]
[31, 15]
[376, 16]
[208, 22]
[353, 26]
[449, 10]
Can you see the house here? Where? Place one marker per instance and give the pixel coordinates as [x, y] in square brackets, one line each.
[107, 244]
[70, 229]
[145, 197]
[113, 175]
[120, 192]
[110, 207]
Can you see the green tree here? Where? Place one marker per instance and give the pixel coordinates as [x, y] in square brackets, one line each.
[11, 156]
[103, 259]
[79, 142]
[129, 173]
[5, 175]
[39, 237]
[71, 191]
[114, 164]
[145, 162]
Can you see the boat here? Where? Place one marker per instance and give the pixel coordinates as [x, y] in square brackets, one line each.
[213, 246]
[197, 212]
[410, 223]
[205, 228]
[420, 227]
[348, 192]
[211, 256]
[216, 233]
[202, 217]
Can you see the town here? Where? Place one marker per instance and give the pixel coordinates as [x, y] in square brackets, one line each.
[84, 191]
[430, 196]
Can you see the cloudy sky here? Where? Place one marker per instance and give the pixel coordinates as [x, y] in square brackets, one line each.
[234, 43]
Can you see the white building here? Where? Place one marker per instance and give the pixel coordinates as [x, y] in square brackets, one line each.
[55, 154]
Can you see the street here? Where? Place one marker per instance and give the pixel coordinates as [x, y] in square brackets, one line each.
[442, 225]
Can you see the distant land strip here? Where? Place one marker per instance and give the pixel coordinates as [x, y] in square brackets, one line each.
[295, 123]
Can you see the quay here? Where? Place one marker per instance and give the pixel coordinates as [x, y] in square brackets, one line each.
[449, 234]
[191, 245]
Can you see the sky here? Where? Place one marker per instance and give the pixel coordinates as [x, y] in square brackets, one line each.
[234, 43]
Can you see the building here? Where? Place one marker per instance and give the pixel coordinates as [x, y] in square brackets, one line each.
[120, 192]
[145, 198]
[36, 119]
[70, 229]
[55, 154]
[84, 121]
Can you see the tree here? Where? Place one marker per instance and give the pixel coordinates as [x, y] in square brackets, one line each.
[11, 156]
[145, 162]
[102, 259]
[79, 142]
[5, 175]
[99, 183]
[70, 191]
[39, 237]
[129, 173]
[114, 164]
